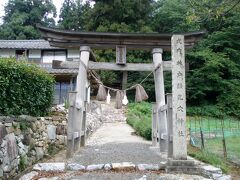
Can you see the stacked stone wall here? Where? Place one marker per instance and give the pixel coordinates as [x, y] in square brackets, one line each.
[24, 140]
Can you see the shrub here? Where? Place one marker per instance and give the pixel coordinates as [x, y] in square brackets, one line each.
[139, 117]
[24, 88]
[207, 110]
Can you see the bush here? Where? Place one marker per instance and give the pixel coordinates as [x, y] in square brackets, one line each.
[207, 110]
[24, 88]
[139, 117]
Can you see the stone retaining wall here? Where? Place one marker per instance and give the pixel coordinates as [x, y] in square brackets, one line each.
[25, 140]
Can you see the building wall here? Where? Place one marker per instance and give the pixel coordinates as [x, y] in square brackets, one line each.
[7, 53]
[73, 54]
[34, 53]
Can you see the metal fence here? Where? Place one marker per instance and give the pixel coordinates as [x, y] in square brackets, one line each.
[218, 136]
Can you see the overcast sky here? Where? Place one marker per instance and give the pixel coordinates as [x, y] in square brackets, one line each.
[57, 3]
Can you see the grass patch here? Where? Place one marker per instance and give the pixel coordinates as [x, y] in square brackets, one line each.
[209, 158]
[23, 126]
[139, 117]
[212, 124]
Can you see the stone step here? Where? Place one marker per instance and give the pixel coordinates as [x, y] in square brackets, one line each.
[181, 162]
[183, 169]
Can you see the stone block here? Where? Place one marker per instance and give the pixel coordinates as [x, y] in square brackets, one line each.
[123, 165]
[10, 129]
[27, 118]
[8, 119]
[75, 167]
[29, 176]
[50, 178]
[27, 139]
[148, 167]
[9, 124]
[172, 162]
[107, 167]
[216, 176]
[94, 167]
[51, 131]
[162, 164]
[6, 168]
[39, 153]
[12, 150]
[49, 167]
[3, 132]
[17, 131]
[1, 173]
[225, 177]
[62, 139]
[183, 169]
[61, 130]
[210, 170]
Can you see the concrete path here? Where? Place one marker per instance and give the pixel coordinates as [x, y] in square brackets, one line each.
[116, 142]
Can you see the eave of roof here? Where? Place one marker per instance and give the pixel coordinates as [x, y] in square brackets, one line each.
[99, 40]
[26, 44]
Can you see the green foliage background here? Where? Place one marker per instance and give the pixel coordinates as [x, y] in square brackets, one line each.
[24, 89]
[214, 73]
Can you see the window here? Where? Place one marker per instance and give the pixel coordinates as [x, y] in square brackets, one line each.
[49, 56]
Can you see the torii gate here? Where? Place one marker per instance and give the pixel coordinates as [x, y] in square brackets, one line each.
[169, 120]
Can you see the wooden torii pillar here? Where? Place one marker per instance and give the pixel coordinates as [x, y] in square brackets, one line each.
[77, 111]
[160, 99]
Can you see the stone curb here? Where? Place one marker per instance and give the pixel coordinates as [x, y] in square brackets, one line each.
[203, 170]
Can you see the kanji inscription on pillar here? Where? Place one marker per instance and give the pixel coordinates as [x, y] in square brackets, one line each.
[178, 98]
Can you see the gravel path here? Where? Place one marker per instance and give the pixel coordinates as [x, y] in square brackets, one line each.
[116, 142]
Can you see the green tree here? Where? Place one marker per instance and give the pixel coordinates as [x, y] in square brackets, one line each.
[211, 14]
[172, 16]
[120, 16]
[73, 15]
[215, 65]
[22, 16]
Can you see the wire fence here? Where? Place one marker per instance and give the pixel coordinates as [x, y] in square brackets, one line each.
[218, 136]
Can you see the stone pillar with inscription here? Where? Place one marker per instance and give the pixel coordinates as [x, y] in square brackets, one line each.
[178, 98]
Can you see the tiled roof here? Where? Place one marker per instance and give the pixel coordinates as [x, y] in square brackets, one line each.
[26, 44]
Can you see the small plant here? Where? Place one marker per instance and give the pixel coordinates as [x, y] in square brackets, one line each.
[66, 104]
[52, 149]
[23, 126]
[22, 163]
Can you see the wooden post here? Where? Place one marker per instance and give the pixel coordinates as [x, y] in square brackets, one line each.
[83, 135]
[178, 98]
[160, 98]
[170, 124]
[154, 125]
[121, 54]
[70, 127]
[81, 91]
